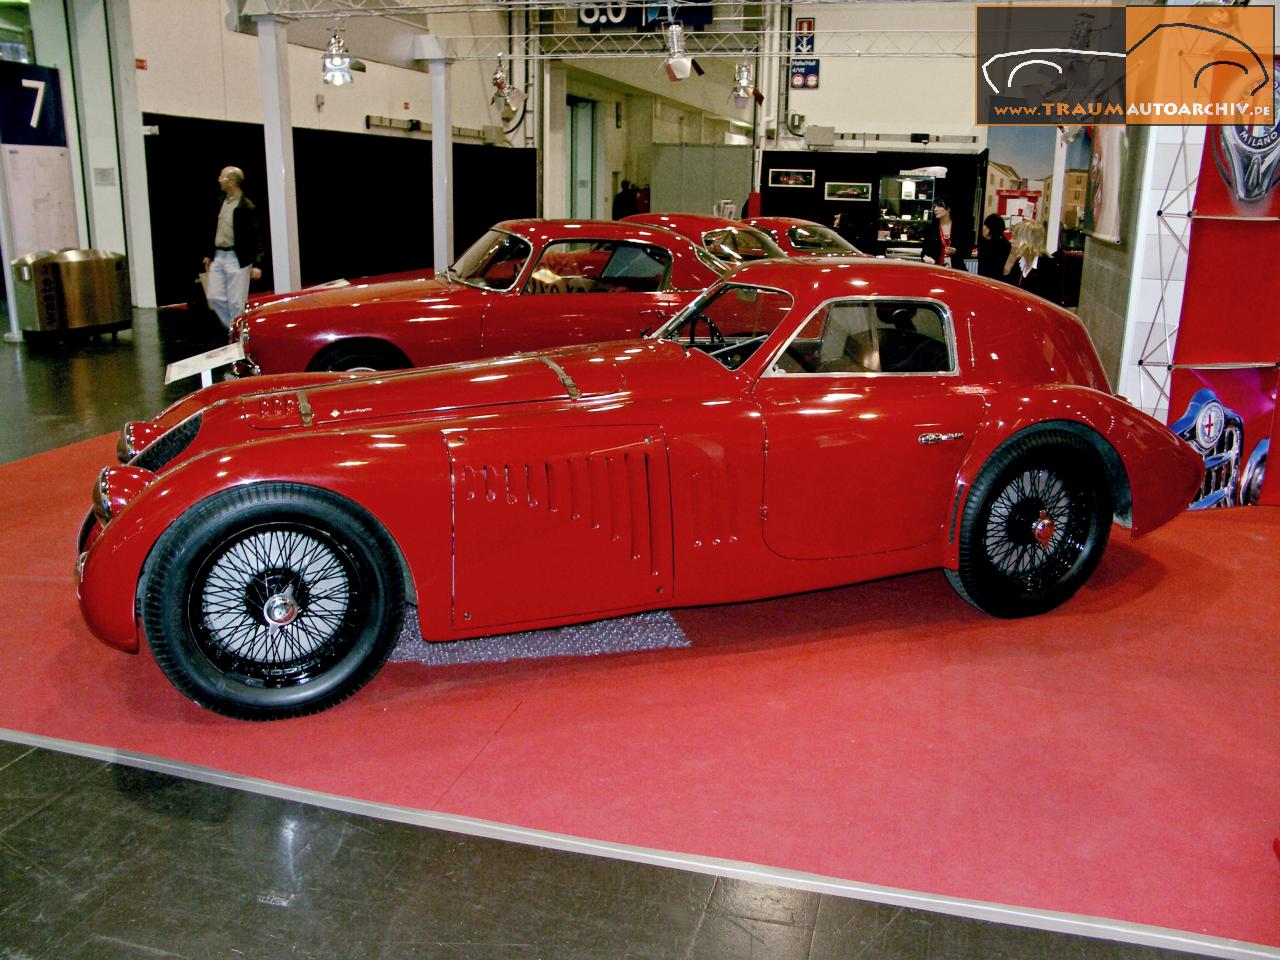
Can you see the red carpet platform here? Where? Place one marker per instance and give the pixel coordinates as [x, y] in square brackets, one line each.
[1118, 758]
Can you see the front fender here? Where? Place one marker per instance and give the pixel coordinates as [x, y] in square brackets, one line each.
[399, 475]
[1153, 474]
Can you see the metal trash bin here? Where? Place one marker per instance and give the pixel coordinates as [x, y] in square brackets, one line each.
[72, 291]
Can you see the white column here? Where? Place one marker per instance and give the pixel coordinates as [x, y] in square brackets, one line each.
[96, 108]
[555, 141]
[277, 125]
[133, 158]
[1059, 190]
[437, 52]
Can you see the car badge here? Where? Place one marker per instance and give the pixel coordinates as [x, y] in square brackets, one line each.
[1209, 424]
[1248, 156]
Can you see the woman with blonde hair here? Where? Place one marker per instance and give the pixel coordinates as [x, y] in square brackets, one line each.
[1029, 265]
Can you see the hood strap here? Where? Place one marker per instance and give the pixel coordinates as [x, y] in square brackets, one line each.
[564, 378]
[304, 408]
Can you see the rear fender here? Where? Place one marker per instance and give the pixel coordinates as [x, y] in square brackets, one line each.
[403, 482]
[1152, 474]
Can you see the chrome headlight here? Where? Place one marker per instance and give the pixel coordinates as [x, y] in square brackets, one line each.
[115, 487]
[135, 437]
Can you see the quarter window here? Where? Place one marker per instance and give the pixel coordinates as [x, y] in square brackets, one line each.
[871, 336]
[598, 266]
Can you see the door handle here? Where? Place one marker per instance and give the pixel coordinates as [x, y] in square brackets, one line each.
[928, 439]
[654, 312]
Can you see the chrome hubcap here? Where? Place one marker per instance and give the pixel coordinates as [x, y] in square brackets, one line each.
[1043, 530]
[280, 610]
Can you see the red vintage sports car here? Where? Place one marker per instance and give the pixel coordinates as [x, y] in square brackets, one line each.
[802, 424]
[804, 238]
[524, 285]
[731, 242]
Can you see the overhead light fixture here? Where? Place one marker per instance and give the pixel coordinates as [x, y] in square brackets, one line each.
[336, 63]
[678, 63]
[744, 91]
[512, 97]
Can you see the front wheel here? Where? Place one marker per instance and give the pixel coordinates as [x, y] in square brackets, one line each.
[1034, 526]
[273, 600]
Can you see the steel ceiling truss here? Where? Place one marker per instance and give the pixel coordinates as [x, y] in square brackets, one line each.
[553, 32]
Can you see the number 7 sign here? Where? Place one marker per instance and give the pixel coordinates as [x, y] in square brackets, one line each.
[31, 106]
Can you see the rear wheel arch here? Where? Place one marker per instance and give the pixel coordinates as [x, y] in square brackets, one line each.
[352, 353]
[1112, 463]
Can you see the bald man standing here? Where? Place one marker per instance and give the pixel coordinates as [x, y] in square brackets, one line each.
[237, 252]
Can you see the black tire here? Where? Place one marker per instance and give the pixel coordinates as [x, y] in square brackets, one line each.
[272, 600]
[1034, 526]
[359, 357]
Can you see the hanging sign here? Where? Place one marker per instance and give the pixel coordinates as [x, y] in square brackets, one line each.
[30, 106]
[804, 73]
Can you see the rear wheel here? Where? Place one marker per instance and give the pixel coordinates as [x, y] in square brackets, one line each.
[360, 357]
[271, 601]
[1034, 526]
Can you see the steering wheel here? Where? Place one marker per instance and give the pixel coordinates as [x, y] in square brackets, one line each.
[717, 338]
[730, 349]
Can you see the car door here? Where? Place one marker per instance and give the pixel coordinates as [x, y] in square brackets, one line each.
[584, 291]
[866, 423]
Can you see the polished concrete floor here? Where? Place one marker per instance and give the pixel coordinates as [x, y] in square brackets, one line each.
[103, 860]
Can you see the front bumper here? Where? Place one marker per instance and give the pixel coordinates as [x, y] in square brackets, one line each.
[243, 368]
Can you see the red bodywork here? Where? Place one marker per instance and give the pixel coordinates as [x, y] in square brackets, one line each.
[261, 299]
[592, 481]
[431, 320]
[780, 229]
[731, 241]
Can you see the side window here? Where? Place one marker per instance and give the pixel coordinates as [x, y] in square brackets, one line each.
[871, 336]
[598, 266]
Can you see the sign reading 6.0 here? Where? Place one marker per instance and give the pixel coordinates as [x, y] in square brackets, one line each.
[609, 16]
[30, 106]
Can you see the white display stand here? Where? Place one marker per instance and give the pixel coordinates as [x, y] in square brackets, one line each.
[204, 364]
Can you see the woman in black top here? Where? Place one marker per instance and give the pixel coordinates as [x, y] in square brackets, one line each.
[993, 248]
[943, 243]
[1029, 265]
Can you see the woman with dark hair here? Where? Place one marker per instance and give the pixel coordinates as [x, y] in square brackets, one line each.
[993, 248]
[942, 242]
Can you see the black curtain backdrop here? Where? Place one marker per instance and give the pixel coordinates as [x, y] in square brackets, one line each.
[364, 200]
[966, 177]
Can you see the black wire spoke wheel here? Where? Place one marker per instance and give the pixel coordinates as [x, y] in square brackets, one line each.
[277, 605]
[1034, 526]
[272, 600]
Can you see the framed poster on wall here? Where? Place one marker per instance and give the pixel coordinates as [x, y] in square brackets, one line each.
[791, 178]
[836, 190]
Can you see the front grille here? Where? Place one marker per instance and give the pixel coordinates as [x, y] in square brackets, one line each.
[1222, 464]
[164, 450]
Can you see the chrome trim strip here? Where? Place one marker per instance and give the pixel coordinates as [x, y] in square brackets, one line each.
[564, 378]
[1082, 925]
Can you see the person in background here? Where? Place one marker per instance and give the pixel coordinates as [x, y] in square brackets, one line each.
[993, 248]
[624, 204]
[1029, 265]
[237, 253]
[942, 242]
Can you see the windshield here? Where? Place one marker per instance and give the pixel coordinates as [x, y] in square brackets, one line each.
[492, 262]
[737, 245]
[818, 240]
[728, 322]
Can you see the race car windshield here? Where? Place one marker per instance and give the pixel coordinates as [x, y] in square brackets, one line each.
[728, 322]
[493, 262]
[819, 241]
[737, 245]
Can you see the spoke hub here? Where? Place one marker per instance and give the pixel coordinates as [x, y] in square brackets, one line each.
[1044, 529]
[280, 610]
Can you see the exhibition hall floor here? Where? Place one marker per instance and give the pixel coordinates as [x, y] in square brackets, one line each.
[1117, 759]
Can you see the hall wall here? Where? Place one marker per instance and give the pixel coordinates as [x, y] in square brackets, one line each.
[196, 67]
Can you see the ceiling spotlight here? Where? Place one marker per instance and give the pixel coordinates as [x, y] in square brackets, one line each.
[744, 91]
[512, 97]
[335, 64]
[678, 63]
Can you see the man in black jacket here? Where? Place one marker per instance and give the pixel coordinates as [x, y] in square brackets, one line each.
[236, 257]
